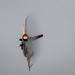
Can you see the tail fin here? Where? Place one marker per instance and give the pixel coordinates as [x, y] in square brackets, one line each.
[26, 26]
[24, 29]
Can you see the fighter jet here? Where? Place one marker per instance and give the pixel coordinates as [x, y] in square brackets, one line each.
[25, 44]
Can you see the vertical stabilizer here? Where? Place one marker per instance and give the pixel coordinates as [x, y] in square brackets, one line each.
[25, 26]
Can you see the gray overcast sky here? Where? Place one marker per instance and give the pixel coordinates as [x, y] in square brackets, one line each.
[55, 19]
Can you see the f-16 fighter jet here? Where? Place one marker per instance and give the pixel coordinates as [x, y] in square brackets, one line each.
[25, 44]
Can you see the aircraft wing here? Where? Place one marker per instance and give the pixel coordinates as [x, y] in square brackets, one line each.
[36, 37]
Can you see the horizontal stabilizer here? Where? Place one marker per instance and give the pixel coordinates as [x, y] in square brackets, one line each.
[36, 37]
[39, 36]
